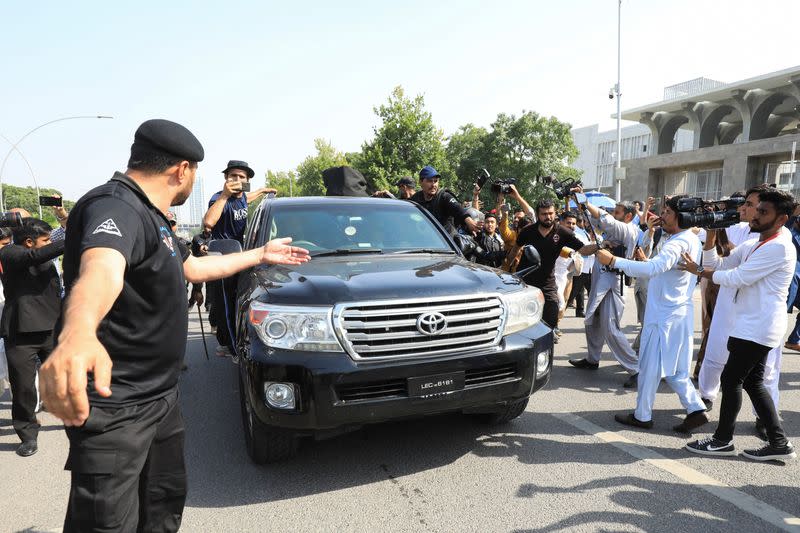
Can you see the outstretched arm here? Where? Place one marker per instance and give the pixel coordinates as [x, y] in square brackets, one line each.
[275, 252]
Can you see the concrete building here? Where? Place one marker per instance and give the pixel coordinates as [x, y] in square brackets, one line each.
[742, 134]
[191, 213]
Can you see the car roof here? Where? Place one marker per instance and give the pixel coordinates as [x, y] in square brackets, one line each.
[351, 200]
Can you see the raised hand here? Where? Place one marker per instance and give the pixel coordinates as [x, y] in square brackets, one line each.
[280, 252]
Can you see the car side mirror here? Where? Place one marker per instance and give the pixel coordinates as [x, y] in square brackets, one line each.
[532, 258]
[465, 243]
[224, 247]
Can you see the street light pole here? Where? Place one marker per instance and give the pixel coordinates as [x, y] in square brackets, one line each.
[618, 171]
[30, 169]
[15, 146]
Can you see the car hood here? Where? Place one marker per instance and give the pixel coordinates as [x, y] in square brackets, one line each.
[332, 280]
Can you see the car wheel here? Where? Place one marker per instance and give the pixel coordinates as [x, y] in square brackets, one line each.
[508, 413]
[265, 444]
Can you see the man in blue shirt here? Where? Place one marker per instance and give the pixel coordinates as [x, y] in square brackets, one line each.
[226, 218]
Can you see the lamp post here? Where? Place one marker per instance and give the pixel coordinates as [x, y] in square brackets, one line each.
[15, 146]
[30, 169]
[618, 175]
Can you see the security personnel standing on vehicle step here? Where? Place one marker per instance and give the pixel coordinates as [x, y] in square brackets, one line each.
[441, 203]
[124, 273]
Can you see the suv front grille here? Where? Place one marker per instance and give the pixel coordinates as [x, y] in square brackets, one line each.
[387, 330]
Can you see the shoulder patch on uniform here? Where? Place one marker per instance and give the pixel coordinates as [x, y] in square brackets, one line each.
[109, 226]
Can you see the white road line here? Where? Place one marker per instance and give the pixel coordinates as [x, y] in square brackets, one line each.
[743, 501]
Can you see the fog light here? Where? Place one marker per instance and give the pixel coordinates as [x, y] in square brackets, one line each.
[542, 363]
[279, 395]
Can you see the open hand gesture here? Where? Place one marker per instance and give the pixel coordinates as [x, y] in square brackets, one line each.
[279, 252]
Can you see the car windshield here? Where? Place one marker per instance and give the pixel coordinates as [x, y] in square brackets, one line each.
[349, 228]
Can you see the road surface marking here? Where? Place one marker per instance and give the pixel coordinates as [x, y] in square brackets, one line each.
[743, 501]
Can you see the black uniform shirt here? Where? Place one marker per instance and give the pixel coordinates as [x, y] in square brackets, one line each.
[145, 330]
[549, 248]
[443, 206]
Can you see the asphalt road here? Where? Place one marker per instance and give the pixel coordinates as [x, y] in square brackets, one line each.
[565, 465]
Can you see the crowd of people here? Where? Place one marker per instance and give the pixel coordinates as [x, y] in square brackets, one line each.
[125, 270]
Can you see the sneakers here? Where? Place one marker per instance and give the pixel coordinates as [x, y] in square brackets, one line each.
[691, 422]
[711, 446]
[769, 453]
[584, 363]
[27, 448]
[223, 351]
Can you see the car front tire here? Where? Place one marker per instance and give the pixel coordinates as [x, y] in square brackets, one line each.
[265, 444]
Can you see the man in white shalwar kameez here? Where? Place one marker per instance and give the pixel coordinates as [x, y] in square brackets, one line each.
[667, 339]
[606, 303]
[722, 322]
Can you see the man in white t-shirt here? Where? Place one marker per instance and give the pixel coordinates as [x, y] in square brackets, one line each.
[760, 271]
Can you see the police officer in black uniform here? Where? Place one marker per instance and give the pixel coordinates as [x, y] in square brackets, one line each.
[441, 203]
[124, 274]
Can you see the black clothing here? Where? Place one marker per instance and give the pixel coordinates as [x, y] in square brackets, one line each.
[579, 283]
[549, 248]
[444, 207]
[32, 288]
[745, 368]
[127, 468]
[550, 311]
[23, 352]
[222, 295]
[493, 250]
[144, 332]
[344, 181]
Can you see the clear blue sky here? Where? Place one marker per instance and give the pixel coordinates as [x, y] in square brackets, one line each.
[260, 80]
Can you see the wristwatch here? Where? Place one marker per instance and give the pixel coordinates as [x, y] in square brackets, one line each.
[700, 269]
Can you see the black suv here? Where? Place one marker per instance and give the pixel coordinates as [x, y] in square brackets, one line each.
[388, 320]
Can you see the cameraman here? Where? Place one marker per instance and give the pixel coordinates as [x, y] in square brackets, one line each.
[760, 271]
[606, 304]
[33, 304]
[441, 203]
[549, 238]
[509, 228]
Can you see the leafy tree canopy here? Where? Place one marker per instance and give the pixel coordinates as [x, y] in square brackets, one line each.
[309, 172]
[26, 198]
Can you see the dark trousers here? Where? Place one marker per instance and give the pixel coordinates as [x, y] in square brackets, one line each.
[745, 369]
[223, 304]
[550, 310]
[24, 351]
[128, 472]
[579, 283]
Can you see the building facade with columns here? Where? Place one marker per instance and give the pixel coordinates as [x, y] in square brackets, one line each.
[742, 134]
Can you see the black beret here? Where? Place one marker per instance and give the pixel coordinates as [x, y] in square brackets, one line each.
[166, 137]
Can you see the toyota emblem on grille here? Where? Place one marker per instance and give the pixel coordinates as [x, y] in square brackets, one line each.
[431, 324]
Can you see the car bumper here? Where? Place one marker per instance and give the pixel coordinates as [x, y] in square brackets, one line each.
[334, 392]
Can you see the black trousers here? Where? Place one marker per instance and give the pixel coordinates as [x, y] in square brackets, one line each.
[128, 471]
[550, 310]
[745, 369]
[579, 283]
[24, 351]
[223, 304]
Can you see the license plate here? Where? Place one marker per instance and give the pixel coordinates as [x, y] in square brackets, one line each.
[436, 384]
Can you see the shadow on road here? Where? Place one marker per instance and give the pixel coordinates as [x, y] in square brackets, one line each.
[644, 509]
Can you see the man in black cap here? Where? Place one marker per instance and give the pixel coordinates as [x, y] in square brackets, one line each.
[441, 203]
[124, 273]
[226, 218]
[405, 189]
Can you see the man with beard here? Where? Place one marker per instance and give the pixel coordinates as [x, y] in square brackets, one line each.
[124, 275]
[441, 203]
[606, 304]
[549, 239]
[716, 354]
[668, 326]
[760, 271]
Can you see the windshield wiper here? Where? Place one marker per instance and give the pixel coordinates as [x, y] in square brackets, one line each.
[348, 251]
[426, 251]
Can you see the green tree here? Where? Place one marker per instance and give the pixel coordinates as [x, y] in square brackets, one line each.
[524, 148]
[285, 182]
[309, 172]
[26, 198]
[465, 154]
[406, 141]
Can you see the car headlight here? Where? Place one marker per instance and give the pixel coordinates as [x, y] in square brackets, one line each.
[523, 309]
[291, 327]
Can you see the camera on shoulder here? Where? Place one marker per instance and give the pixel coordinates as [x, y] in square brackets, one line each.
[708, 214]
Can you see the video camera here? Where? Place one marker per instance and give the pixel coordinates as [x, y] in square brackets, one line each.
[10, 220]
[498, 186]
[713, 214]
[562, 188]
